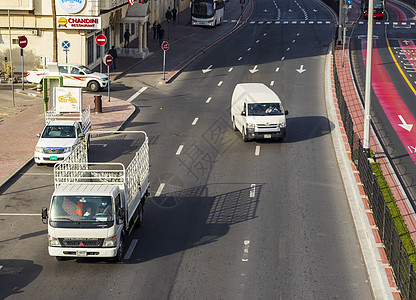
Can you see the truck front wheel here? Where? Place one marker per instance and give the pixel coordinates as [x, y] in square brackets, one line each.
[93, 86]
[120, 251]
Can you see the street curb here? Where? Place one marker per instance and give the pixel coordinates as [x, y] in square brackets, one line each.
[379, 284]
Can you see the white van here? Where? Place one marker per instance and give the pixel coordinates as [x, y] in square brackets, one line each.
[257, 112]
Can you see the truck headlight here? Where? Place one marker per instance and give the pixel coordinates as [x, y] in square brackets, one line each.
[110, 242]
[251, 127]
[282, 125]
[38, 149]
[53, 241]
[67, 149]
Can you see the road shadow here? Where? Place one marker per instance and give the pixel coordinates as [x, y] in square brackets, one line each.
[15, 274]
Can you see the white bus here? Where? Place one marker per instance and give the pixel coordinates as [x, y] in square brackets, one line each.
[207, 12]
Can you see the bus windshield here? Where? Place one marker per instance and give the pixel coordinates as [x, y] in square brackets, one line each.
[202, 9]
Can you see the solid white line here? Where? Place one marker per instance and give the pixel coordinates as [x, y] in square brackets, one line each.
[194, 122]
[179, 150]
[272, 83]
[137, 94]
[220, 83]
[230, 69]
[208, 100]
[257, 152]
[131, 249]
[11, 214]
[159, 190]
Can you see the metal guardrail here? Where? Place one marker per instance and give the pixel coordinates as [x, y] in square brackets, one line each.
[397, 256]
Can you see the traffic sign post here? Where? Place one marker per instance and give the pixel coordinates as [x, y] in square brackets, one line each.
[66, 45]
[22, 44]
[165, 47]
[101, 40]
[108, 60]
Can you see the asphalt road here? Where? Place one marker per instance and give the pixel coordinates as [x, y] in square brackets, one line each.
[390, 45]
[234, 220]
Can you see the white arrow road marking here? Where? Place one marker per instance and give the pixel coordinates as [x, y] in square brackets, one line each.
[301, 70]
[254, 70]
[404, 125]
[207, 69]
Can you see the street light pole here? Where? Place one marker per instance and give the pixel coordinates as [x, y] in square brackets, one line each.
[369, 59]
[340, 21]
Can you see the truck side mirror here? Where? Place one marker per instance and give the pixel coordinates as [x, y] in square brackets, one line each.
[44, 215]
[38, 135]
[286, 112]
[121, 213]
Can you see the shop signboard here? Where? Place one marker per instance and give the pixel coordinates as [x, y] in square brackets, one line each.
[78, 22]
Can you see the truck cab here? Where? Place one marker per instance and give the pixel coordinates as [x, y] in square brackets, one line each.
[57, 140]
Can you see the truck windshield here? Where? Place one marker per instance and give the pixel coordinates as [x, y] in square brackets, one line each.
[265, 109]
[81, 209]
[59, 132]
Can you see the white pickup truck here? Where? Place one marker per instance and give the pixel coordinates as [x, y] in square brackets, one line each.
[62, 133]
[99, 197]
[73, 76]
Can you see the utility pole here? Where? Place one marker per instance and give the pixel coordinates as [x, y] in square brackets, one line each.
[369, 59]
[340, 21]
[54, 34]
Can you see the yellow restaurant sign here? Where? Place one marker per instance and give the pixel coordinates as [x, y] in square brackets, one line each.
[78, 22]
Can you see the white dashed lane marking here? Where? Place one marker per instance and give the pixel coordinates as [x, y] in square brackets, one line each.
[208, 100]
[195, 121]
[160, 189]
[257, 152]
[178, 152]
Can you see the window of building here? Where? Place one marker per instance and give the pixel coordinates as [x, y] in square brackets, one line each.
[132, 28]
[121, 35]
[90, 50]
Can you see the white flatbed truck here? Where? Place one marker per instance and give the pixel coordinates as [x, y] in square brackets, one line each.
[96, 205]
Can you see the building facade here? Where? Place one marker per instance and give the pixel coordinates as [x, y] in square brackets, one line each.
[78, 23]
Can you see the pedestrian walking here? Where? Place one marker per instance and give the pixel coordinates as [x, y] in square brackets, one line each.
[126, 38]
[158, 29]
[168, 15]
[161, 35]
[154, 29]
[174, 12]
[113, 53]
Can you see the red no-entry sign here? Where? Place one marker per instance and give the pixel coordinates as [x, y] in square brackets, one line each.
[22, 41]
[108, 60]
[101, 39]
[165, 46]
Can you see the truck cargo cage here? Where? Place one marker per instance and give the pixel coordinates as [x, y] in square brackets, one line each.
[83, 117]
[76, 168]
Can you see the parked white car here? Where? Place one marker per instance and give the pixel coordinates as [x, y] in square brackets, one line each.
[73, 76]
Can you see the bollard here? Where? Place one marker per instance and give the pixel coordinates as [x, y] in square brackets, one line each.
[98, 104]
